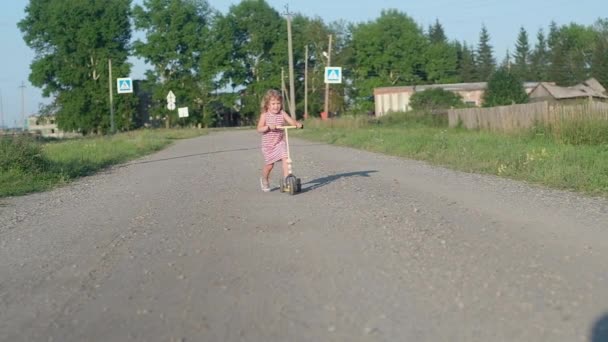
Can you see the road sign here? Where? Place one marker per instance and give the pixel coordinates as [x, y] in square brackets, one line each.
[124, 85]
[333, 74]
[182, 112]
[170, 97]
[170, 101]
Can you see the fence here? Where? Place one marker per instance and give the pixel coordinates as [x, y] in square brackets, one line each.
[521, 116]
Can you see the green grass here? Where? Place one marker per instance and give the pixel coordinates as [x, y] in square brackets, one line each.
[571, 158]
[30, 166]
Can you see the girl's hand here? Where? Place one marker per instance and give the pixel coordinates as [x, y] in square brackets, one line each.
[299, 125]
[272, 127]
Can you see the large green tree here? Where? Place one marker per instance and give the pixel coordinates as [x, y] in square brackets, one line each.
[387, 52]
[257, 37]
[485, 57]
[73, 41]
[571, 52]
[177, 39]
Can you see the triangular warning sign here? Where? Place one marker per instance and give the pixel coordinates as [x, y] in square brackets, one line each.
[124, 85]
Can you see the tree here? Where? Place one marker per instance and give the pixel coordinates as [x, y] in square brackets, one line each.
[314, 33]
[506, 62]
[441, 63]
[387, 52]
[73, 41]
[539, 58]
[504, 88]
[599, 62]
[572, 48]
[436, 98]
[466, 64]
[257, 37]
[441, 60]
[485, 58]
[177, 40]
[437, 34]
[521, 67]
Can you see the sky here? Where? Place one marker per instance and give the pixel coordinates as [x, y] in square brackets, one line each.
[462, 20]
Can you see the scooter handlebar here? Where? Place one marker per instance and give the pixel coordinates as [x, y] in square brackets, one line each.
[289, 127]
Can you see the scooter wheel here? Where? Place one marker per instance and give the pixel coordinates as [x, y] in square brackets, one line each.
[298, 185]
[292, 184]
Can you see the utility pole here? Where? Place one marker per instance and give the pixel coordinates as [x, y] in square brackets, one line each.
[111, 96]
[23, 106]
[327, 84]
[284, 88]
[292, 95]
[306, 83]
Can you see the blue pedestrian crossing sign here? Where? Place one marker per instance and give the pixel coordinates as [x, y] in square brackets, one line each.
[333, 74]
[124, 85]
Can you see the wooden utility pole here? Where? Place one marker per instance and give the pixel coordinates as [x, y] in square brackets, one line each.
[306, 83]
[284, 88]
[23, 123]
[327, 84]
[111, 97]
[292, 95]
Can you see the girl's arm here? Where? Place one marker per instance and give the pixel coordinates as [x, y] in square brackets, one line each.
[291, 121]
[262, 127]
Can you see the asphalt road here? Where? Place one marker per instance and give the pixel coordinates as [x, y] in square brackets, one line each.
[183, 246]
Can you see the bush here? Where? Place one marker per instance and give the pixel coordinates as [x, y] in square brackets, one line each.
[504, 88]
[434, 99]
[21, 153]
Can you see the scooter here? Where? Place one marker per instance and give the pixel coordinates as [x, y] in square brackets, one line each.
[291, 183]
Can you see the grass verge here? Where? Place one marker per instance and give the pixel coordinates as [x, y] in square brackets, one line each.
[28, 165]
[537, 156]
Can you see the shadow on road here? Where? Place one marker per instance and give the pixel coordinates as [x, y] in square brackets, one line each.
[319, 182]
[599, 332]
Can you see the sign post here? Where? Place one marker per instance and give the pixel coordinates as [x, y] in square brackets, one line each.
[170, 101]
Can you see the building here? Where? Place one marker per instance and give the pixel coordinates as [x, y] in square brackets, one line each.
[397, 99]
[46, 126]
[590, 89]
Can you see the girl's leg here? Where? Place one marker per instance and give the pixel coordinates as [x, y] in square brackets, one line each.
[266, 172]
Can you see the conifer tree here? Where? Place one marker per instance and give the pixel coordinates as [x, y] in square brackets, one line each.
[539, 58]
[485, 58]
[521, 66]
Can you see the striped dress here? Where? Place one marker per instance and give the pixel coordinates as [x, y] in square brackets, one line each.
[273, 142]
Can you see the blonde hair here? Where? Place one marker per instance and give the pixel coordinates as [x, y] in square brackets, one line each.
[270, 95]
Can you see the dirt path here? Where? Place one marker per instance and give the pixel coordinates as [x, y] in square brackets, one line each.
[183, 246]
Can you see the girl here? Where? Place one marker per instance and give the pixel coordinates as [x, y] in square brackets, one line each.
[273, 139]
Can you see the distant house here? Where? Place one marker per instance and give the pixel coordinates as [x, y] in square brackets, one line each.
[397, 99]
[46, 126]
[590, 89]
